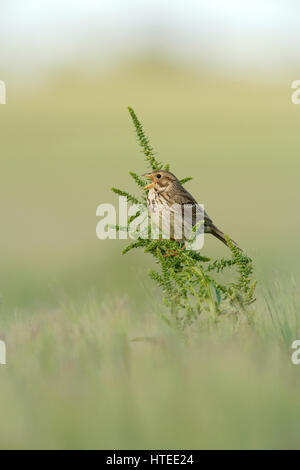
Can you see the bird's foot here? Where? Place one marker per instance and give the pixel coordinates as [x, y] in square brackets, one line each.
[174, 252]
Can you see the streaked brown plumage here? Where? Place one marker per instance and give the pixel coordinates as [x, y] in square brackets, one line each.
[165, 191]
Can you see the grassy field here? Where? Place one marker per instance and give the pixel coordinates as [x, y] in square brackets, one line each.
[77, 377]
[71, 306]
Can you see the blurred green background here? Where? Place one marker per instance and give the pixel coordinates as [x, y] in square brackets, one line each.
[67, 142]
[214, 97]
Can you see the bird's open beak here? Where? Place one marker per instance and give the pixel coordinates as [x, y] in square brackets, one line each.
[149, 175]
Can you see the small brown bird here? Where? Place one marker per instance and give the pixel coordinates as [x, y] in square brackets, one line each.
[166, 201]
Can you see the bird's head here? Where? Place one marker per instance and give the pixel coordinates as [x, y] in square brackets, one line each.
[161, 179]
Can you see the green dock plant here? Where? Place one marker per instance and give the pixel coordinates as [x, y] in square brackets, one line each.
[193, 285]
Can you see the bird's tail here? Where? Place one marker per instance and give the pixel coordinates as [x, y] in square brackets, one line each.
[220, 236]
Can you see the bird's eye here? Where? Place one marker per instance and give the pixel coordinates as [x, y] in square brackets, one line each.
[158, 176]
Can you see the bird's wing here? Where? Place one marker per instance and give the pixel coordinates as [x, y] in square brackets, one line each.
[183, 197]
[183, 213]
